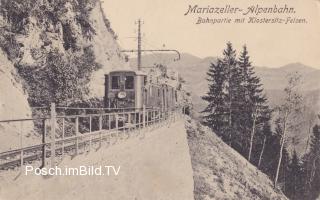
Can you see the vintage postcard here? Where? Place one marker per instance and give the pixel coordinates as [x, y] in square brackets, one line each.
[159, 99]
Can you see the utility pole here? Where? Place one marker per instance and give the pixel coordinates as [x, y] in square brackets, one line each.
[139, 44]
[139, 50]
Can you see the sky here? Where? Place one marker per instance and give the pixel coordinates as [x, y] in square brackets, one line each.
[166, 26]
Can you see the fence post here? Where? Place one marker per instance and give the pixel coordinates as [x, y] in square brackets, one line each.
[21, 145]
[43, 146]
[144, 116]
[77, 135]
[53, 133]
[155, 118]
[129, 118]
[160, 112]
[90, 131]
[63, 135]
[117, 125]
[147, 123]
[109, 122]
[135, 121]
[100, 129]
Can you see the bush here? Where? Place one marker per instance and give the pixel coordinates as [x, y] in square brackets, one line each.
[62, 81]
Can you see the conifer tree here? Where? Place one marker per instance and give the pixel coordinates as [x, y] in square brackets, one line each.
[237, 107]
[223, 80]
[215, 113]
[229, 63]
[253, 109]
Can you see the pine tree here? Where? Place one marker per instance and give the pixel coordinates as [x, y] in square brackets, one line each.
[237, 108]
[229, 62]
[221, 98]
[253, 109]
[216, 113]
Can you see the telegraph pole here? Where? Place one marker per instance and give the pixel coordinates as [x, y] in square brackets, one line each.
[139, 44]
[139, 50]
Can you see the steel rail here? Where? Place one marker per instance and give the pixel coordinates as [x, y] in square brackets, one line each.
[37, 151]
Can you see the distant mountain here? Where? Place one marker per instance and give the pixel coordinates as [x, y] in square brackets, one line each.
[275, 78]
[193, 69]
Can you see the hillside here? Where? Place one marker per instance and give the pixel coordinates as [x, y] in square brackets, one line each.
[219, 172]
[33, 30]
[49, 45]
[9, 84]
[13, 105]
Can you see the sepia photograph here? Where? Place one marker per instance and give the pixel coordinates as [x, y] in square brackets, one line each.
[159, 100]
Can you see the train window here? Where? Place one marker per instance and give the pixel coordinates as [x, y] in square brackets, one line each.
[129, 83]
[115, 82]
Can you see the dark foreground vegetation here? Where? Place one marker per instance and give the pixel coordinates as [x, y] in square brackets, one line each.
[239, 113]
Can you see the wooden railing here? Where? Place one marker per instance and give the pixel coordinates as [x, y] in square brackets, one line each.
[75, 134]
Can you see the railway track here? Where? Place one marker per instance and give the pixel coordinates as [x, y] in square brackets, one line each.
[14, 159]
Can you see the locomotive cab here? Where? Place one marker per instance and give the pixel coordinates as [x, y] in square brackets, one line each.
[124, 89]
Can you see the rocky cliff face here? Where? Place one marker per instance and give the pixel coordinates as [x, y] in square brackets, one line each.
[13, 100]
[51, 50]
[106, 49]
[33, 29]
[13, 105]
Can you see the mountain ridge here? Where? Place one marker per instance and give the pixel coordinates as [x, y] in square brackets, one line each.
[188, 61]
[273, 79]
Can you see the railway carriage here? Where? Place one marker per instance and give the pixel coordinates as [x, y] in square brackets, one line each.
[125, 89]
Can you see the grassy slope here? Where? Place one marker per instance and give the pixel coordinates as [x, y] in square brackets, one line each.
[222, 173]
